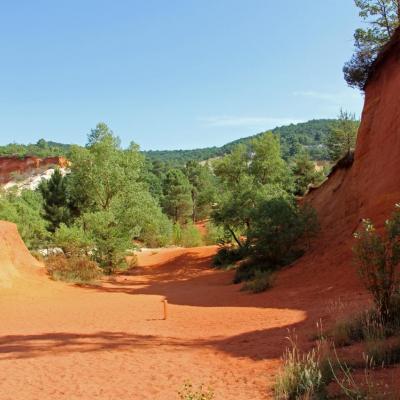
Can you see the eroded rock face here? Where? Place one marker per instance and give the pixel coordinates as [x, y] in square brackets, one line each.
[371, 187]
[10, 166]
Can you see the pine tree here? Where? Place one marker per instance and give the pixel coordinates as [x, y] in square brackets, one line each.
[383, 17]
[55, 200]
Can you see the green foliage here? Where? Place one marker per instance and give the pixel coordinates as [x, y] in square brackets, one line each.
[108, 187]
[378, 260]
[26, 211]
[177, 201]
[343, 136]
[226, 256]
[305, 173]
[367, 326]
[187, 236]
[303, 376]
[214, 234]
[42, 148]
[76, 269]
[203, 189]
[278, 227]
[383, 17]
[55, 200]
[73, 240]
[190, 393]
[310, 135]
[246, 179]
[261, 281]
[111, 239]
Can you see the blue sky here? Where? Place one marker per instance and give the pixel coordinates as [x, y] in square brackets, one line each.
[171, 74]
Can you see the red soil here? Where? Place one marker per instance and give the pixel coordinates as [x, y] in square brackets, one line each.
[14, 164]
[106, 342]
[109, 342]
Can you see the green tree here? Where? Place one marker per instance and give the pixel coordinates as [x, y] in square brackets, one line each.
[246, 178]
[343, 136]
[305, 173]
[383, 17]
[202, 189]
[116, 205]
[26, 211]
[279, 225]
[177, 202]
[55, 200]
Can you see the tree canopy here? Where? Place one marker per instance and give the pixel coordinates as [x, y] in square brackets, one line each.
[382, 17]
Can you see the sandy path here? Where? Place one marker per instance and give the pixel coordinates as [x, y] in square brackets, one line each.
[109, 342]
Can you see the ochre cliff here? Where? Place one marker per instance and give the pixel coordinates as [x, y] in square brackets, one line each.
[369, 188]
[10, 165]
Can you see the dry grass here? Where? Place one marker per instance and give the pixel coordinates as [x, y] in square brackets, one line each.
[77, 269]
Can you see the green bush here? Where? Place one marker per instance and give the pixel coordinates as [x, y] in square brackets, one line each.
[76, 269]
[26, 210]
[367, 325]
[229, 255]
[247, 270]
[73, 240]
[214, 234]
[191, 236]
[261, 281]
[187, 236]
[281, 230]
[378, 260]
[303, 376]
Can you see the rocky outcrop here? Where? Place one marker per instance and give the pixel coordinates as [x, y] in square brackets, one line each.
[10, 166]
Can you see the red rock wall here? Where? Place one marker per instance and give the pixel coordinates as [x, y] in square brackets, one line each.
[371, 187]
[13, 164]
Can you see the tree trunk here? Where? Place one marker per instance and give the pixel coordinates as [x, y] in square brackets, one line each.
[235, 238]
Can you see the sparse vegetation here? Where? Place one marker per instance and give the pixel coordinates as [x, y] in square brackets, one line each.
[303, 375]
[261, 281]
[378, 260]
[188, 392]
[75, 269]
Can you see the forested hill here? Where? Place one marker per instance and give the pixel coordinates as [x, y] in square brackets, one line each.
[311, 134]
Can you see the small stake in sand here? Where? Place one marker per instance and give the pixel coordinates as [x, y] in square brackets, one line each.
[165, 301]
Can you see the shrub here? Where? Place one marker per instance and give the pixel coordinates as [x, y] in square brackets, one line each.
[364, 326]
[383, 352]
[189, 393]
[77, 269]
[25, 210]
[214, 234]
[191, 236]
[281, 230]
[227, 255]
[303, 376]
[186, 236]
[73, 240]
[378, 260]
[261, 281]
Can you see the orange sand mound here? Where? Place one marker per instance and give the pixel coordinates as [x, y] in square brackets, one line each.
[16, 262]
[109, 342]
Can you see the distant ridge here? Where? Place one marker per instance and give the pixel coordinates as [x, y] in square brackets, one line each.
[310, 135]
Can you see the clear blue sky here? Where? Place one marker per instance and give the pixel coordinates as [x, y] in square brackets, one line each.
[171, 74]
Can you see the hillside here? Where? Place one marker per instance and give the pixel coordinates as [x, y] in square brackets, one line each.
[311, 134]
